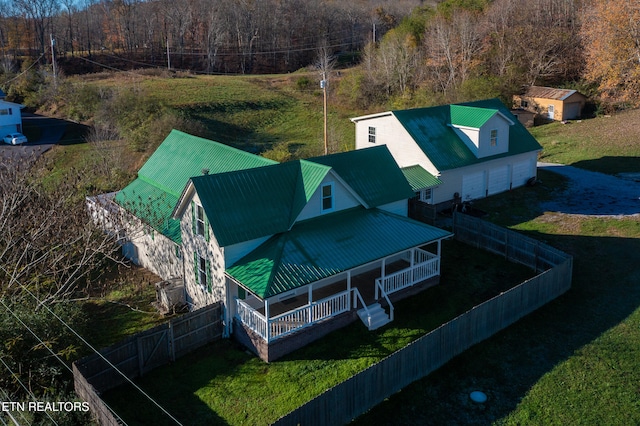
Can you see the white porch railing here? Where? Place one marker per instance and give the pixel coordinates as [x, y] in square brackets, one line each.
[251, 318]
[426, 265]
[294, 320]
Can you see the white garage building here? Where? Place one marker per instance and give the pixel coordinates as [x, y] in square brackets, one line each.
[473, 150]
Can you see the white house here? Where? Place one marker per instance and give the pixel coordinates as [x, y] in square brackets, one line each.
[292, 250]
[463, 151]
[10, 118]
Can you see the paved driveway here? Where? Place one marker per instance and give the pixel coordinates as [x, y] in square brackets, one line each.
[52, 130]
[594, 194]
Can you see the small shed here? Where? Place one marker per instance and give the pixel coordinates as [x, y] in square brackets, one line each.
[551, 103]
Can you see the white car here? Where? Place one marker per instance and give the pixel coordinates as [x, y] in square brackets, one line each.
[15, 138]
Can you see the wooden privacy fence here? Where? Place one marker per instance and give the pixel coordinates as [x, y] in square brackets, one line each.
[513, 246]
[422, 211]
[142, 353]
[349, 399]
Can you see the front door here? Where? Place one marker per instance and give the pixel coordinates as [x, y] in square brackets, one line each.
[551, 111]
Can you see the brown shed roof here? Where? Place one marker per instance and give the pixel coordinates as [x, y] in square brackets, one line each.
[549, 93]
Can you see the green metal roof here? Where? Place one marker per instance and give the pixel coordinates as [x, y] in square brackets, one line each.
[153, 195]
[419, 178]
[181, 156]
[372, 173]
[327, 245]
[430, 129]
[471, 116]
[253, 203]
[152, 205]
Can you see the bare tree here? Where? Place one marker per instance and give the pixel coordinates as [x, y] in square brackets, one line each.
[47, 240]
[40, 13]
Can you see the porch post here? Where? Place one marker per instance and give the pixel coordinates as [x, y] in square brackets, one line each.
[310, 298]
[349, 289]
[266, 316]
[439, 256]
[384, 262]
[382, 269]
[413, 257]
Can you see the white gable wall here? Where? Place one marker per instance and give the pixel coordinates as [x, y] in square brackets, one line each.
[391, 133]
[342, 198]
[499, 123]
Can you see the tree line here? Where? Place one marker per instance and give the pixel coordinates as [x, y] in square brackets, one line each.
[440, 51]
[234, 36]
[471, 49]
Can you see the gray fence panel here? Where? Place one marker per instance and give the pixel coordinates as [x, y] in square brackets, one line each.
[142, 353]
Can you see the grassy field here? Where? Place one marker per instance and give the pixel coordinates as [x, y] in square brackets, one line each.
[604, 144]
[223, 384]
[255, 113]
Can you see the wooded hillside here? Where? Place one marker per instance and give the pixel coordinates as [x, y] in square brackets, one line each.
[426, 51]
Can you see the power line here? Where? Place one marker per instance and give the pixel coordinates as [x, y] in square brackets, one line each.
[40, 303]
[6, 396]
[15, 376]
[30, 66]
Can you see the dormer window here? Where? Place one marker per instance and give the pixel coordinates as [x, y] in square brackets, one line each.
[494, 137]
[327, 198]
[372, 134]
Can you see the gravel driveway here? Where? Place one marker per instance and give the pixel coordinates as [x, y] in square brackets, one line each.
[594, 194]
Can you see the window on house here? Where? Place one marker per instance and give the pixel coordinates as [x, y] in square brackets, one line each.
[327, 197]
[523, 103]
[199, 220]
[202, 272]
[372, 134]
[425, 195]
[5, 111]
[494, 137]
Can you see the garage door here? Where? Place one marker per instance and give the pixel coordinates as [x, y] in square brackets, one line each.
[522, 172]
[473, 186]
[498, 180]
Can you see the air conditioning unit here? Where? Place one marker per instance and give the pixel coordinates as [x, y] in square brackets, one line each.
[170, 296]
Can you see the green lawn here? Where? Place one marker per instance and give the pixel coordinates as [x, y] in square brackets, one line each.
[223, 384]
[121, 305]
[604, 144]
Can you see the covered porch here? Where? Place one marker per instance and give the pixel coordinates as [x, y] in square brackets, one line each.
[366, 288]
[326, 272]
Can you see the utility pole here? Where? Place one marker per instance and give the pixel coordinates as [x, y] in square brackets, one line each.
[323, 86]
[168, 58]
[53, 60]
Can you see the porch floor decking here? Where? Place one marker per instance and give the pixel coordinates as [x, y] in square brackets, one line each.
[365, 283]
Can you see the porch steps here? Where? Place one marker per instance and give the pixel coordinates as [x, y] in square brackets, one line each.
[375, 318]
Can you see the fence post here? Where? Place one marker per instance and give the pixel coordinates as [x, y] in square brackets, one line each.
[170, 343]
[140, 353]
